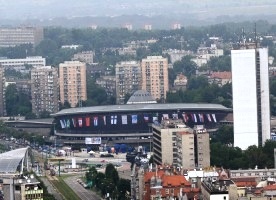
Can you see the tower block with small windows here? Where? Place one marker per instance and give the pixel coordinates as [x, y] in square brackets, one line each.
[176, 144]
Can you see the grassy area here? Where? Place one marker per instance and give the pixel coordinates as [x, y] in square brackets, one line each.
[64, 189]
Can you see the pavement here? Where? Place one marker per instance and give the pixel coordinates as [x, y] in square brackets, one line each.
[84, 194]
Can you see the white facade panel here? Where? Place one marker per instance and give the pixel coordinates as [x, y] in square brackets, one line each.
[244, 97]
[219, 197]
[265, 101]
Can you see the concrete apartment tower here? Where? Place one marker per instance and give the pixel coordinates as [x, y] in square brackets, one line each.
[128, 79]
[44, 89]
[251, 105]
[178, 145]
[155, 78]
[72, 80]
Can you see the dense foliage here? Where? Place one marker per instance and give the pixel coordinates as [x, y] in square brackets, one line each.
[108, 182]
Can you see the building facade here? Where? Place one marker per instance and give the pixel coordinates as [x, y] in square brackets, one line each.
[84, 56]
[128, 79]
[178, 145]
[108, 83]
[44, 87]
[10, 37]
[2, 93]
[251, 105]
[72, 79]
[155, 76]
[21, 63]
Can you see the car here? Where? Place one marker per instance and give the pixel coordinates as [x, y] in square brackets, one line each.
[103, 161]
[107, 156]
[85, 160]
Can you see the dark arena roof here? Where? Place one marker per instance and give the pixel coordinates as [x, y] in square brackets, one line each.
[131, 121]
[141, 96]
[143, 107]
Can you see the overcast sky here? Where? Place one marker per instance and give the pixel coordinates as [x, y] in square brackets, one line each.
[45, 9]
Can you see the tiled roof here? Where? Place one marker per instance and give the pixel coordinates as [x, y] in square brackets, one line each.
[174, 181]
[221, 75]
[245, 182]
[270, 187]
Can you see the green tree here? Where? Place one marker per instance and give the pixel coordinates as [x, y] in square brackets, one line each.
[123, 187]
[111, 173]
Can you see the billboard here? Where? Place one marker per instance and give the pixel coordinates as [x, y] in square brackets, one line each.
[93, 140]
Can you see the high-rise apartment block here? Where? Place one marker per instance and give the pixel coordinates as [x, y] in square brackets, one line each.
[251, 105]
[72, 78]
[155, 76]
[128, 79]
[2, 92]
[10, 37]
[175, 144]
[44, 87]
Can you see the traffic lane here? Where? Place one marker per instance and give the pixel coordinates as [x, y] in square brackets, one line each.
[84, 194]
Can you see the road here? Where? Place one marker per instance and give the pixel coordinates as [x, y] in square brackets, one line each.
[83, 193]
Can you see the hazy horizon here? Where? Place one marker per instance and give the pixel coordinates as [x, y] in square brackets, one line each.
[51, 12]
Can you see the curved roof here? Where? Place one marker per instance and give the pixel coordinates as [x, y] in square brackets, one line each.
[141, 96]
[9, 161]
[142, 107]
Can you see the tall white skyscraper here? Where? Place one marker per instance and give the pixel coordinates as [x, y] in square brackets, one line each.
[251, 105]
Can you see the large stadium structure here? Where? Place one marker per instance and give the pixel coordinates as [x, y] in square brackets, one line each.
[131, 122]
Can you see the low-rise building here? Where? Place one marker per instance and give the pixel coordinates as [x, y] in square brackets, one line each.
[84, 56]
[220, 78]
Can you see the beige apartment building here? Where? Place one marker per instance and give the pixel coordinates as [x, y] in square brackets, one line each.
[10, 37]
[165, 149]
[72, 80]
[178, 145]
[193, 149]
[155, 76]
[128, 79]
[44, 89]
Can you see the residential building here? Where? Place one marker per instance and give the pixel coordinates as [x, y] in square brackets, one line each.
[22, 85]
[44, 87]
[84, 56]
[220, 78]
[10, 37]
[176, 55]
[175, 144]
[176, 26]
[127, 51]
[148, 27]
[128, 26]
[108, 83]
[251, 105]
[128, 79]
[20, 64]
[72, 79]
[166, 183]
[2, 93]
[193, 149]
[180, 82]
[155, 76]
[213, 189]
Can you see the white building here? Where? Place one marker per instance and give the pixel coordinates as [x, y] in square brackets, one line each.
[251, 106]
[20, 63]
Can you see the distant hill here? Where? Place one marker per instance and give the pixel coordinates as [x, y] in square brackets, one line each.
[85, 12]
